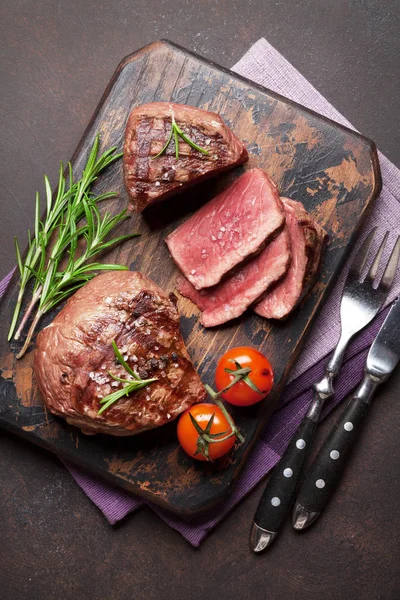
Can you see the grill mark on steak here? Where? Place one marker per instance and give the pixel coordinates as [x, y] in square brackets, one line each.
[147, 307]
[149, 179]
[138, 332]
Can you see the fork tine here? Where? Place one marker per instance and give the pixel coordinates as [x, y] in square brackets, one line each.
[391, 268]
[362, 255]
[375, 265]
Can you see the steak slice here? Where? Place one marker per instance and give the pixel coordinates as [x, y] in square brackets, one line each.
[232, 297]
[149, 179]
[74, 354]
[229, 230]
[307, 239]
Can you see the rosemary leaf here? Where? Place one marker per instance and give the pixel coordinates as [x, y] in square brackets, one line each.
[37, 218]
[118, 378]
[176, 139]
[48, 189]
[18, 253]
[122, 361]
[167, 143]
[100, 267]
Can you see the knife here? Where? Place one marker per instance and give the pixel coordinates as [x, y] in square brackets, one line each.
[327, 469]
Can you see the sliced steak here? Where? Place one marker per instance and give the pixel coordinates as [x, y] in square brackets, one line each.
[149, 179]
[307, 239]
[74, 354]
[232, 297]
[229, 230]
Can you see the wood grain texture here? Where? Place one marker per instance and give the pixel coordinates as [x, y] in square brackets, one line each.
[332, 170]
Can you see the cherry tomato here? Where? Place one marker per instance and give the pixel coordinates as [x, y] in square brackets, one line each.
[241, 394]
[188, 435]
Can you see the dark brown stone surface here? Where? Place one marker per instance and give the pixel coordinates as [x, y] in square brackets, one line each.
[56, 60]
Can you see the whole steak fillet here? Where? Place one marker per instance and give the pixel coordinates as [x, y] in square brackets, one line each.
[228, 231]
[74, 354]
[307, 240]
[234, 295]
[149, 179]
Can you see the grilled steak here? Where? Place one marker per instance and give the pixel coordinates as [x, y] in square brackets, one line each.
[74, 354]
[149, 179]
[232, 297]
[307, 239]
[229, 230]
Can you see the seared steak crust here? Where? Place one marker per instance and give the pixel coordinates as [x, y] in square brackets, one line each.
[149, 179]
[307, 240]
[74, 354]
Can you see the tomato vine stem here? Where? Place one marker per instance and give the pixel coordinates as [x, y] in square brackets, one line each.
[205, 436]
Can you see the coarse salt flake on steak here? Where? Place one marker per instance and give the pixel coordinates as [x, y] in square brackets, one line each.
[234, 295]
[228, 231]
[74, 355]
[150, 178]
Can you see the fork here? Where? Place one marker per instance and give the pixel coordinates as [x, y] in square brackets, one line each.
[361, 301]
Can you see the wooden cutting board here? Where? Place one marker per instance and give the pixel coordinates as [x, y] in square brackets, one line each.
[332, 170]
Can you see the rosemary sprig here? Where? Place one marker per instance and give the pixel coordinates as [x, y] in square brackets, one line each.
[129, 384]
[56, 241]
[66, 202]
[42, 236]
[176, 133]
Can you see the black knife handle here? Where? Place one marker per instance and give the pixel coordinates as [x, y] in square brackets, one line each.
[281, 487]
[327, 469]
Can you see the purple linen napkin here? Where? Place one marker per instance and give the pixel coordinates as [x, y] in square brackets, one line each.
[264, 65]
